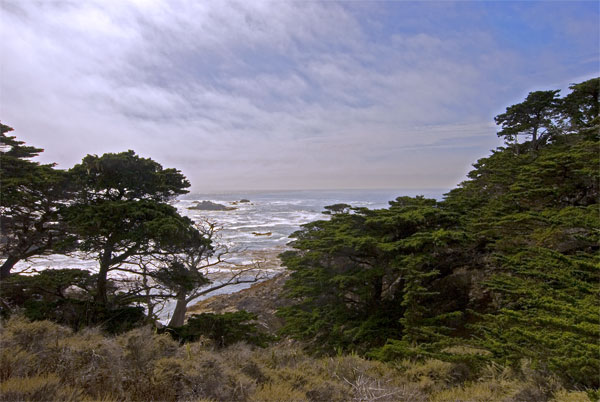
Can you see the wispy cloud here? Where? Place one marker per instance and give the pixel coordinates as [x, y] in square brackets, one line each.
[243, 95]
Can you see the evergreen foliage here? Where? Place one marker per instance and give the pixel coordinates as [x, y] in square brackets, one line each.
[548, 313]
[117, 231]
[31, 197]
[224, 329]
[533, 117]
[581, 107]
[113, 207]
[363, 277]
[121, 210]
[65, 296]
[126, 176]
[507, 262]
[506, 267]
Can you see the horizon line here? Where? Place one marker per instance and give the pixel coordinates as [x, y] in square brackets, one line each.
[238, 191]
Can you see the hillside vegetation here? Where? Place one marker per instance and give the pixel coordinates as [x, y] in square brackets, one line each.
[508, 262]
[488, 295]
[42, 361]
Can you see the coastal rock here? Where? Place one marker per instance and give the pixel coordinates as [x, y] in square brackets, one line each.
[262, 234]
[243, 200]
[263, 299]
[210, 206]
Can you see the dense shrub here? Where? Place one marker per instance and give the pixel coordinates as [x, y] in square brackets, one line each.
[65, 296]
[224, 329]
[507, 262]
[42, 361]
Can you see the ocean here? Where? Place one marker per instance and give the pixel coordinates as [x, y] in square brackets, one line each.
[254, 232]
[279, 214]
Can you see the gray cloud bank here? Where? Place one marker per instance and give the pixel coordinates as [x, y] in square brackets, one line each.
[263, 95]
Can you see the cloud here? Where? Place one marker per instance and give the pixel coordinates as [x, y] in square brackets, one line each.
[251, 95]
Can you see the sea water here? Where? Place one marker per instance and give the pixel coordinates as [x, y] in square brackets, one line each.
[254, 232]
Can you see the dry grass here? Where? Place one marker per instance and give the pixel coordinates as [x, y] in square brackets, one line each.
[37, 388]
[43, 361]
[573, 396]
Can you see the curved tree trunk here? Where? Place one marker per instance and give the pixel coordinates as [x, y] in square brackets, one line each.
[101, 282]
[7, 266]
[178, 317]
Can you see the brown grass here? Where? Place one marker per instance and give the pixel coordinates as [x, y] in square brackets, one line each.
[44, 361]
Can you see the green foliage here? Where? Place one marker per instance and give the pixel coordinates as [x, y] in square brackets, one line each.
[506, 267]
[224, 329]
[126, 176]
[337, 209]
[65, 296]
[531, 117]
[582, 105]
[548, 313]
[177, 276]
[535, 220]
[121, 210]
[113, 207]
[362, 278]
[16, 149]
[44, 361]
[31, 198]
[508, 262]
[125, 228]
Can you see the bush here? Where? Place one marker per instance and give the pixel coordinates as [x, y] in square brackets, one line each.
[142, 346]
[61, 296]
[206, 376]
[34, 336]
[41, 360]
[92, 362]
[39, 388]
[278, 393]
[16, 362]
[224, 329]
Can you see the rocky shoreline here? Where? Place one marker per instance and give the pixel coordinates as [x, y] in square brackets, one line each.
[262, 299]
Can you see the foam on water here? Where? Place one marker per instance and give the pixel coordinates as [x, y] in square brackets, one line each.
[278, 213]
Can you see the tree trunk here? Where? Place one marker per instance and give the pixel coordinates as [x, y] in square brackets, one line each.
[105, 262]
[7, 266]
[535, 141]
[178, 317]
[101, 288]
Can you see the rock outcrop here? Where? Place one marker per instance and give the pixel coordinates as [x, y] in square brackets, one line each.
[210, 206]
[263, 299]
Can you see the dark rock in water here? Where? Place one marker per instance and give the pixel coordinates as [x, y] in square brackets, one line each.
[244, 200]
[210, 206]
[262, 234]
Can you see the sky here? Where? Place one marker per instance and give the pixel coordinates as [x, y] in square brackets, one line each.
[276, 95]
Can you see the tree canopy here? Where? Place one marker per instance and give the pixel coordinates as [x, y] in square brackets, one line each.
[126, 176]
[507, 263]
[582, 105]
[31, 198]
[532, 117]
[121, 210]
